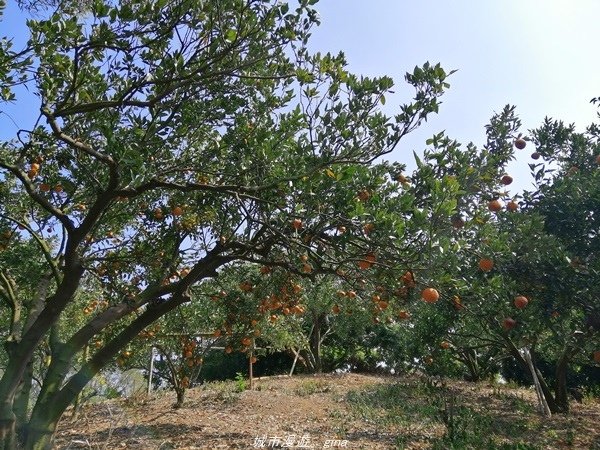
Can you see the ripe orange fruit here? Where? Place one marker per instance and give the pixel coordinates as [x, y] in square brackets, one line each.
[409, 279]
[296, 224]
[520, 143]
[402, 314]
[506, 180]
[265, 270]
[228, 349]
[246, 286]
[335, 309]
[495, 205]
[521, 301]
[368, 261]
[45, 187]
[368, 228]
[598, 159]
[401, 179]
[486, 264]
[341, 229]
[246, 341]
[341, 293]
[158, 214]
[253, 360]
[306, 268]
[364, 195]
[351, 294]
[382, 304]
[512, 206]
[363, 265]
[509, 323]
[445, 345]
[177, 211]
[596, 356]
[217, 333]
[430, 295]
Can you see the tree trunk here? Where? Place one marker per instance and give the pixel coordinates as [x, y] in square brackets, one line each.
[8, 435]
[315, 341]
[180, 397]
[49, 409]
[21, 353]
[469, 359]
[562, 395]
[21, 403]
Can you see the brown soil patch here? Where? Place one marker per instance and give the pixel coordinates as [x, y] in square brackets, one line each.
[283, 412]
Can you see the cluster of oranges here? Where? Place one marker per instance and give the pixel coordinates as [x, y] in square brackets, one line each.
[188, 353]
[95, 305]
[149, 332]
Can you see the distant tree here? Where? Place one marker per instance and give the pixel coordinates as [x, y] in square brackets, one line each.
[522, 276]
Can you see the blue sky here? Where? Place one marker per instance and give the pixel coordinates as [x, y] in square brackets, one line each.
[540, 55]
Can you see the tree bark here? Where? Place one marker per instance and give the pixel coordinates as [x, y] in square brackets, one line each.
[562, 394]
[316, 340]
[21, 404]
[48, 412]
[180, 397]
[8, 435]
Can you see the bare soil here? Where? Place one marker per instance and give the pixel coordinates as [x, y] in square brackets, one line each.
[315, 412]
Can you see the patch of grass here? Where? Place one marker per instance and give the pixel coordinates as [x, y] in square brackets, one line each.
[241, 384]
[224, 391]
[415, 406]
[513, 401]
[392, 404]
[309, 387]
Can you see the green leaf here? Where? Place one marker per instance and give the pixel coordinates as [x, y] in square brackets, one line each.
[230, 35]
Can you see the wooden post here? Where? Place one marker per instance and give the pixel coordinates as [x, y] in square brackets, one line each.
[543, 404]
[150, 370]
[296, 356]
[250, 370]
[251, 367]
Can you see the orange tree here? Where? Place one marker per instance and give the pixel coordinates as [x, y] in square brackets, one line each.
[453, 188]
[171, 139]
[523, 276]
[178, 344]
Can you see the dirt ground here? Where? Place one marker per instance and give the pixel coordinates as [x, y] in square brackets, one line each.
[299, 412]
